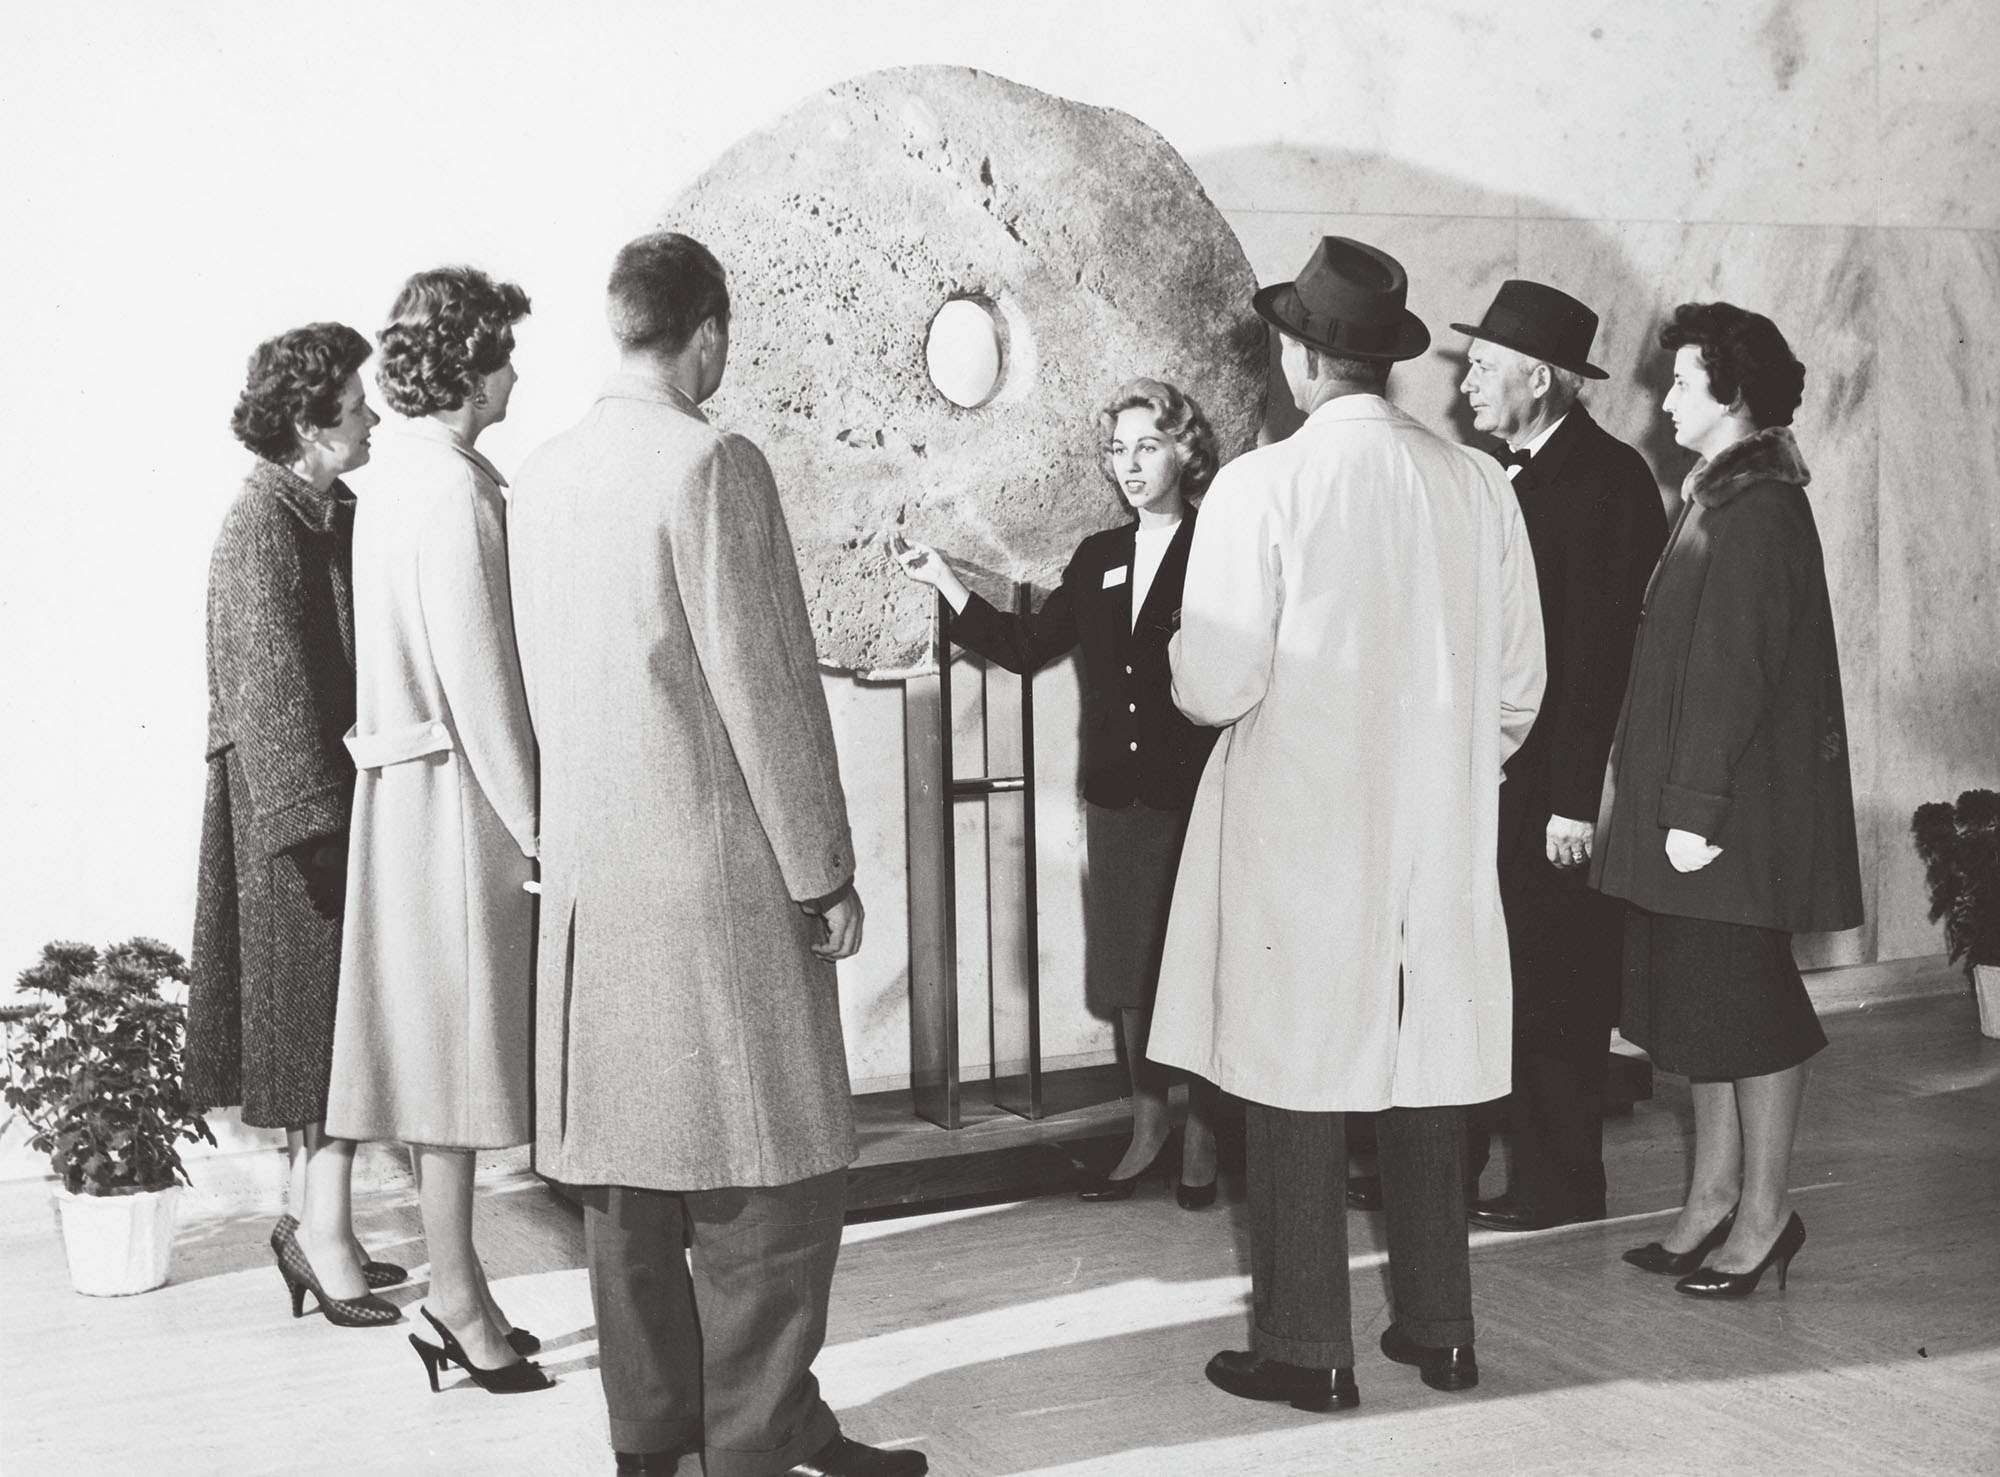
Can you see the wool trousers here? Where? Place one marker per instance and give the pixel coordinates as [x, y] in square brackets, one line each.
[711, 1306]
[1302, 1313]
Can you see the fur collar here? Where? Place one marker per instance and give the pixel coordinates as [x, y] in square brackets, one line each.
[1769, 455]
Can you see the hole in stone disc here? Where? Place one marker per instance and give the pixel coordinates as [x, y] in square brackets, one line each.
[965, 351]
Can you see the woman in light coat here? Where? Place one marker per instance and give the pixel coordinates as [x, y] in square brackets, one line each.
[432, 1045]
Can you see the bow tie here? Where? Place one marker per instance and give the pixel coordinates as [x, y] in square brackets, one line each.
[1513, 458]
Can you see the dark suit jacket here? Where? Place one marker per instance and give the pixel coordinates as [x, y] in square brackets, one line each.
[1137, 746]
[1596, 525]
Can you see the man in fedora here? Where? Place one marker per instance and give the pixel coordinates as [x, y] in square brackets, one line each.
[1360, 618]
[1596, 524]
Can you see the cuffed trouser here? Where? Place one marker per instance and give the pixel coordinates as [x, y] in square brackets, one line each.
[717, 1358]
[1298, 1230]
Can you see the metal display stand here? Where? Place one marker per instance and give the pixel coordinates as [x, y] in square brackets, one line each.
[1014, 1018]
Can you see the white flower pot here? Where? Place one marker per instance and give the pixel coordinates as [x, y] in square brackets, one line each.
[117, 1244]
[1986, 985]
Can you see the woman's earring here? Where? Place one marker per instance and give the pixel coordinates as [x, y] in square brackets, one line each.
[479, 399]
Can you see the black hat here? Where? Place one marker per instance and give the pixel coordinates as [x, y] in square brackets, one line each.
[1347, 301]
[1542, 323]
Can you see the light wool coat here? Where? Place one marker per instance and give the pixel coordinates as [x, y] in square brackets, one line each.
[687, 1038]
[431, 1037]
[1361, 617]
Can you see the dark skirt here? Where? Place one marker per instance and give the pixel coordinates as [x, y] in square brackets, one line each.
[1130, 855]
[1715, 1001]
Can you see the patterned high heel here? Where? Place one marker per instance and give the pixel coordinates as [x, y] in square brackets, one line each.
[1653, 1257]
[375, 1274]
[508, 1379]
[366, 1311]
[1711, 1283]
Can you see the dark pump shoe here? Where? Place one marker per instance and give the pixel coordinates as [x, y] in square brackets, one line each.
[1442, 1369]
[841, 1457]
[1653, 1257]
[1252, 1377]
[1505, 1213]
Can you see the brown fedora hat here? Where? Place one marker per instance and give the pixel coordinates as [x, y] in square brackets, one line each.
[1347, 301]
[1541, 322]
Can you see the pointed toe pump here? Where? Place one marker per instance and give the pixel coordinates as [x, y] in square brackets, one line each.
[1708, 1282]
[1653, 1257]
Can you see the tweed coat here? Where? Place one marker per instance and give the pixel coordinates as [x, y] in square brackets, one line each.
[1137, 746]
[1733, 726]
[430, 1042]
[687, 1038]
[1361, 615]
[1596, 524]
[266, 957]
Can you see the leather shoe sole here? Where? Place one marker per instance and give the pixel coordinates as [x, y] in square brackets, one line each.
[1503, 1214]
[1251, 1377]
[841, 1457]
[1452, 1368]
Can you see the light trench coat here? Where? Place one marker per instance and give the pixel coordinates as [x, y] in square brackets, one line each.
[431, 1032]
[687, 1038]
[1361, 618]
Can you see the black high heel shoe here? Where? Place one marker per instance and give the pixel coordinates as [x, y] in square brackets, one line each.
[366, 1311]
[1711, 1283]
[1164, 1163]
[1194, 1197]
[1653, 1257]
[508, 1379]
[375, 1274]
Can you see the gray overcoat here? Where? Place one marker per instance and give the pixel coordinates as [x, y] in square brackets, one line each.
[686, 1036]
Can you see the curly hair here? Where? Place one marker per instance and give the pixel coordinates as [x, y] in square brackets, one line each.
[663, 287]
[295, 379]
[448, 329]
[1743, 354]
[1177, 415]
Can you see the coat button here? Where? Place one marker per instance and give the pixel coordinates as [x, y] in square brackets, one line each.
[438, 731]
[1131, 707]
[1135, 746]
[1128, 669]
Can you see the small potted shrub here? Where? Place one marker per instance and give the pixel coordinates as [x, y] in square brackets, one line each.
[1960, 848]
[95, 1070]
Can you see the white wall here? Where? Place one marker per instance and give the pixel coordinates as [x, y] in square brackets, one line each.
[181, 181]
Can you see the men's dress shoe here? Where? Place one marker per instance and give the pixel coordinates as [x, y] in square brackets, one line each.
[1364, 1192]
[843, 1458]
[1252, 1377]
[1452, 1368]
[1505, 1213]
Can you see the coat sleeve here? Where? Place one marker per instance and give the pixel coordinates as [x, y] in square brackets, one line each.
[1231, 599]
[1524, 660]
[1743, 622]
[1021, 643]
[739, 586]
[281, 719]
[1613, 533]
[462, 587]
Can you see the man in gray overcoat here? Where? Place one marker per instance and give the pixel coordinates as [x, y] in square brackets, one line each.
[697, 885]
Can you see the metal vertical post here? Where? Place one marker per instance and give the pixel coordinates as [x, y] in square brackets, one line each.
[934, 1064]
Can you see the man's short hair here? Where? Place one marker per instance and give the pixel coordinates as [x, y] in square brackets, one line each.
[663, 286]
[1566, 385]
[1352, 371]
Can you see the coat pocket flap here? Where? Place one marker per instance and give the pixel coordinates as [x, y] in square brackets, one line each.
[397, 745]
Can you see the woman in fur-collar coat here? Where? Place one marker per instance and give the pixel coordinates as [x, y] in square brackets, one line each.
[1728, 815]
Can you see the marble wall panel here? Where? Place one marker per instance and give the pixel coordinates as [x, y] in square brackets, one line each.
[1700, 110]
[1940, 134]
[1939, 396]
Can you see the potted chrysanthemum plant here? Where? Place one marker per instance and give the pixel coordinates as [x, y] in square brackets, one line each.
[1960, 847]
[94, 1068]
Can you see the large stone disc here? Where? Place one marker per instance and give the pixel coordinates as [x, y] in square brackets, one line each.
[1082, 252]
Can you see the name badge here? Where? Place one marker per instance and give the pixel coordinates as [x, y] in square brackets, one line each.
[1113, 578]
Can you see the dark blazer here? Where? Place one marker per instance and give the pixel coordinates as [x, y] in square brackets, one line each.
[1137, 746]
[1733, 727]
[266, 957]
[1596, 524]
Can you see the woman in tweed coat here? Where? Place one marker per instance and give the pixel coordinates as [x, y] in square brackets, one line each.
[273, 867]
[430, 1044]
[1119, 601]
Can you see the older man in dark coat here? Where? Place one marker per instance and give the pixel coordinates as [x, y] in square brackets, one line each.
[1596, 523]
